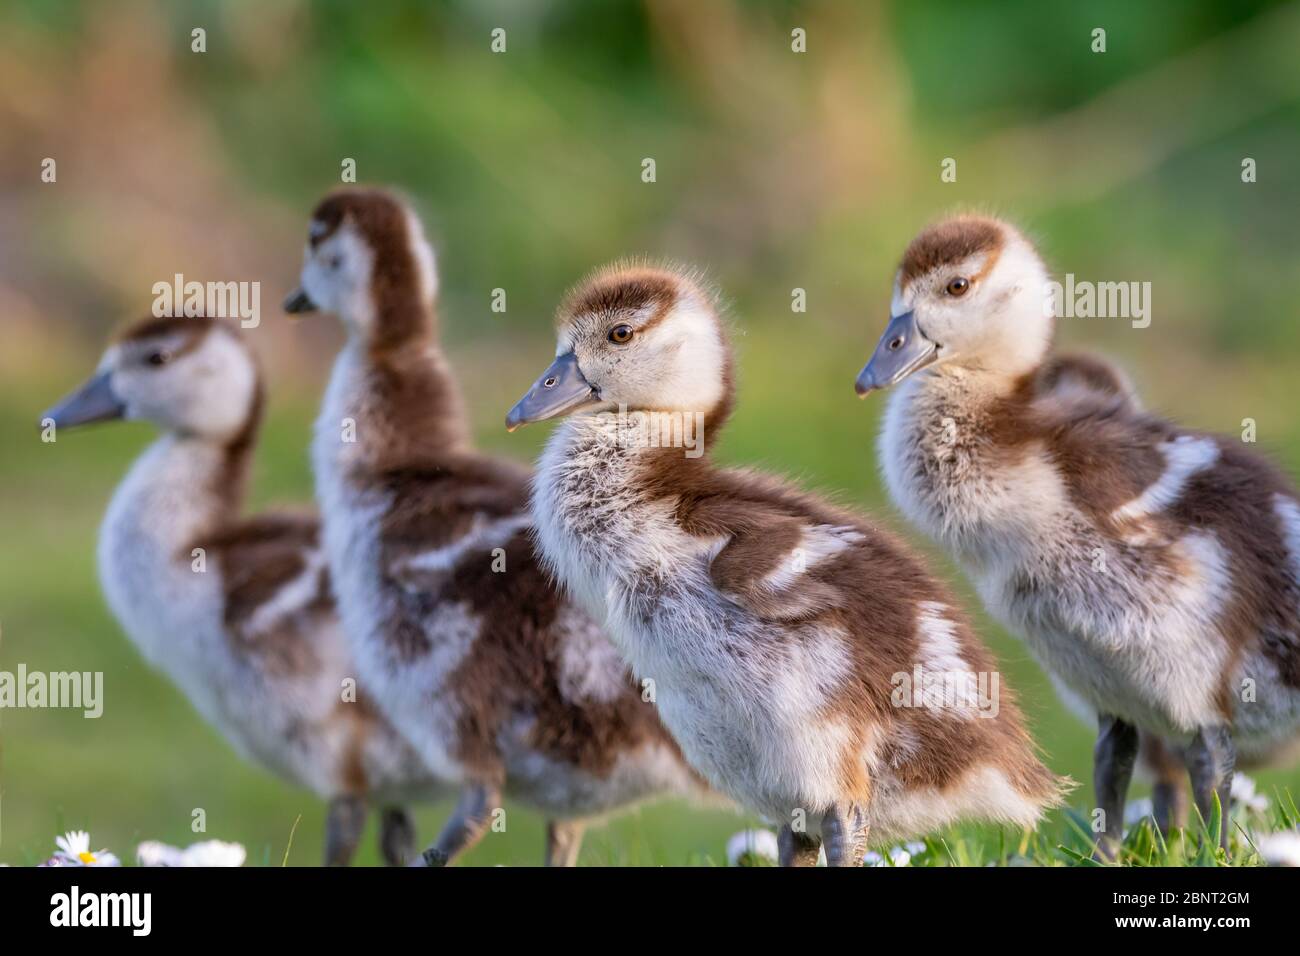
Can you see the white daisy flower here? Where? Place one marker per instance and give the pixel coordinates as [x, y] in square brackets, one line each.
[750, 846]
[1243, 792]
[1137, 810]
[207, 853]
[898, 856]
[214, 853]
[156, 853]
[74, 850]
[1280, 849]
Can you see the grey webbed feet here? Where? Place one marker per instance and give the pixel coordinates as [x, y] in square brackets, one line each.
[466, 825]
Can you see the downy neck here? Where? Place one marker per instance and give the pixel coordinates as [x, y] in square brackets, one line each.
[404, 404]
[180, 491]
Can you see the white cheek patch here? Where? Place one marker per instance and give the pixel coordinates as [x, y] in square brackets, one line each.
[694, 378]
[1001, 322]
[160, 394]
[219, 391]
[1018, 275]
[345, 288]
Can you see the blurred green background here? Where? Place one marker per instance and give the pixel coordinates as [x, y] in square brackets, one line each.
[776, 170]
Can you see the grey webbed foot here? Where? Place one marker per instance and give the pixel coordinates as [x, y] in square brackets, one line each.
[466, 826]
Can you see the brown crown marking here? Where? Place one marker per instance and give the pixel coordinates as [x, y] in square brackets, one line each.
[195, 329]
[619, 289]
[378, 215]
[949, 243]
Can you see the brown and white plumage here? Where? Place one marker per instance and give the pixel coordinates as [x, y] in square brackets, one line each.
[774, 626]
[236, 610]
[504, 686]
[1154, 569]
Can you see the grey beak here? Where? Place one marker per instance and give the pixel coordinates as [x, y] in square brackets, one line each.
[298, 301]
[93, 402]
[902, 350]
[561, 388]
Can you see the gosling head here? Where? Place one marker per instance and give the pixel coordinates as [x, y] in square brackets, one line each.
[192, 376]
[368, 261]
[644, 338]
[971, 292]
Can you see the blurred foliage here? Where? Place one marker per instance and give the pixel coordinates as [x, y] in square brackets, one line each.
[775, 170]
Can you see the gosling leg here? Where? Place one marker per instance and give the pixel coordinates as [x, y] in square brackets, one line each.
[397, 836]
[468, 822]
[1169, 790]
[1112, 769]
[563, 841]
[344, 821]
[1211, 759]
[844, 828]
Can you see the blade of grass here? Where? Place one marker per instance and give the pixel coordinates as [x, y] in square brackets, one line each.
[289, 846]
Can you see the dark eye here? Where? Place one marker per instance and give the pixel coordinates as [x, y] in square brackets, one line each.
[333, 262]
[158, 358]
[958, 286]
[620, 334]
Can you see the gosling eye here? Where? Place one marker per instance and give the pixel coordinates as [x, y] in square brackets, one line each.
[621, 334]
[958, 287]
[158, 358]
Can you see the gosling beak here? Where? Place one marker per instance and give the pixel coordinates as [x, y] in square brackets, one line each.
[902, 350]
[93, 402]
[298, 301]
[562, 388]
